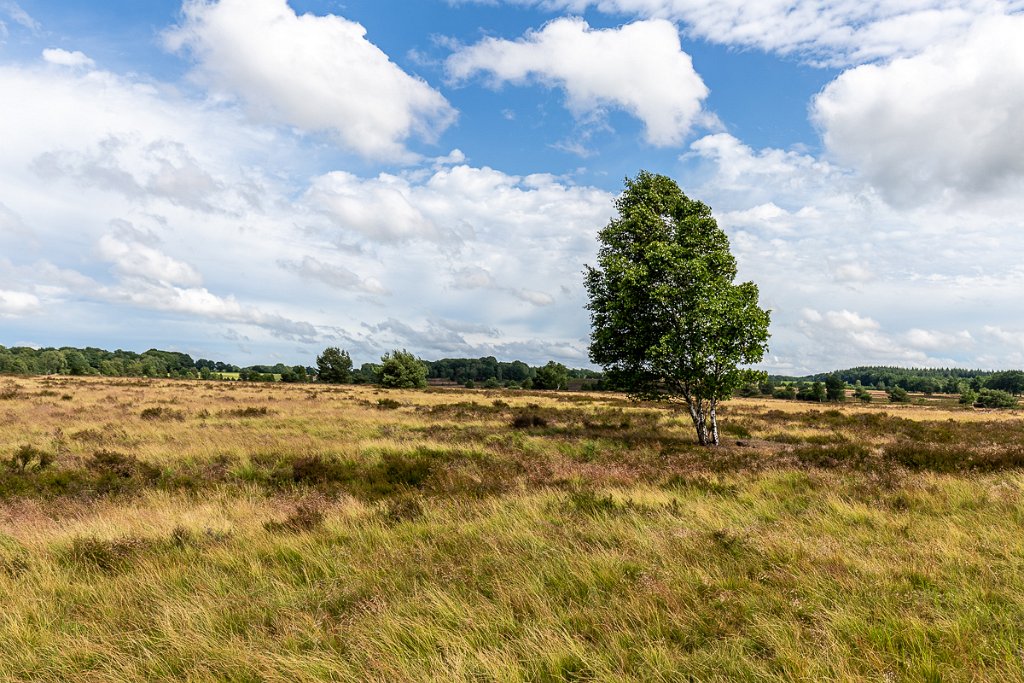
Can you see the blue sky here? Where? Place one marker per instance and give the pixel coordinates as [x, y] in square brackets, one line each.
[253, 180]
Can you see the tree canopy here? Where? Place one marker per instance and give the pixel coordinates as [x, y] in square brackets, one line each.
[668, 322]
[401, 370]
[334, 366]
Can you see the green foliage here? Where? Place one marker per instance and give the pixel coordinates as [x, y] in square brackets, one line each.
[815, 392]
[898, 395]
[29, 459]
[968, 397]
[1010, 381]
[835, 388]
[785, 392]
[335, 366]
[994, 398]
[551, 376]
[668, 322]
[401, 370]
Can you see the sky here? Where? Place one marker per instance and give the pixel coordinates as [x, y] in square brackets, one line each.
[255, 180]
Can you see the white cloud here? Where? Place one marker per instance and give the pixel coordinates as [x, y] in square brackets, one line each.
[15, 304]
[640, 68]
[333, 275]
[851, 272]
[534, 297]
[933, 340]
[19, 16]
[841, 31]
[379, 209]
[318, 73]
[60, 57]
[948, 120]
[134, 259]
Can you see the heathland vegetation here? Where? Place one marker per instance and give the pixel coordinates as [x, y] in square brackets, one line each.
[155, 529]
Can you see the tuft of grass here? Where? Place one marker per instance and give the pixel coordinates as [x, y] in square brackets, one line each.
[304, 518]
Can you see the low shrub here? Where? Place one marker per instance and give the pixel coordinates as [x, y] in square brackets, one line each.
[388, 404]
[161, 413]
[832, 455]
[528, 420]
[249, 411]
[29, 459]
[954, 457]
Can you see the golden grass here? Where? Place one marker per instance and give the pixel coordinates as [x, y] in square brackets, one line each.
[603, 546]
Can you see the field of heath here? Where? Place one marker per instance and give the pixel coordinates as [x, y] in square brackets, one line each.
[224, 531]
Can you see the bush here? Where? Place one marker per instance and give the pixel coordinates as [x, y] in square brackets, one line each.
[526, 420]
[401, 370]
[162, 414]
[314, 469]
[29, 459]
[899, 395]
[388, 404]
[402, 470]
[968, 398]
[996, 398]
[250, 411]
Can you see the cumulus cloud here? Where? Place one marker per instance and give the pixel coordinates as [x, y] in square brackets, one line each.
[380, 209]
[640, 68]
[842, 32]
[61, 57]
[950, 119]
[318, 73]
[16, 304]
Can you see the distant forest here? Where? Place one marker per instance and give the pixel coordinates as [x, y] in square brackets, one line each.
[155, 363]
[486, 372]
[926, 380]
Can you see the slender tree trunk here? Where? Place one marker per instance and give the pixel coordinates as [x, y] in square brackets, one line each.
[714, 422]
[699, 422]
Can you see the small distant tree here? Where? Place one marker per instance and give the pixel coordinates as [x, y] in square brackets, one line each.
[668, 321]
[401, 370]
[898, 395]
[968, 397]
[835, 388]
[996, 398]
[334, 366]
[787, 392]
[552, 376]
[812, 392]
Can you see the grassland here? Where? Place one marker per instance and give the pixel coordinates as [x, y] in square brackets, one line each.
[160, 530]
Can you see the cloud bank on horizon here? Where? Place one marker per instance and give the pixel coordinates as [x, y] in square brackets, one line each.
[256, 180]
